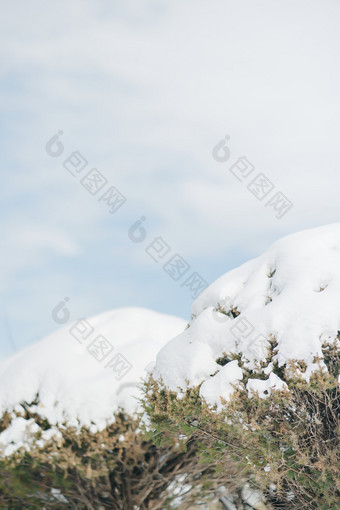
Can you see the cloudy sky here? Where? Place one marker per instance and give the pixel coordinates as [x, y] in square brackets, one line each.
[144, 91]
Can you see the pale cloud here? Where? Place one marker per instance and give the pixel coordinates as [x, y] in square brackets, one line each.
[145, 90]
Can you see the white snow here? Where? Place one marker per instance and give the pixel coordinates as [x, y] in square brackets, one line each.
[264, 387]
[17, 434]
[291, 294]
[222, 384]
[73, 385]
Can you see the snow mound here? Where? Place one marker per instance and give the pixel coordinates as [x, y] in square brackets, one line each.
[86, 371]
[286, 300]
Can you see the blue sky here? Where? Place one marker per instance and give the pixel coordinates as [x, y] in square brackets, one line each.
[144, 91]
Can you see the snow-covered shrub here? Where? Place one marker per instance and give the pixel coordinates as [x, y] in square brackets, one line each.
[69, 419]
[286, 445]
[260, 362]
[116, 468]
